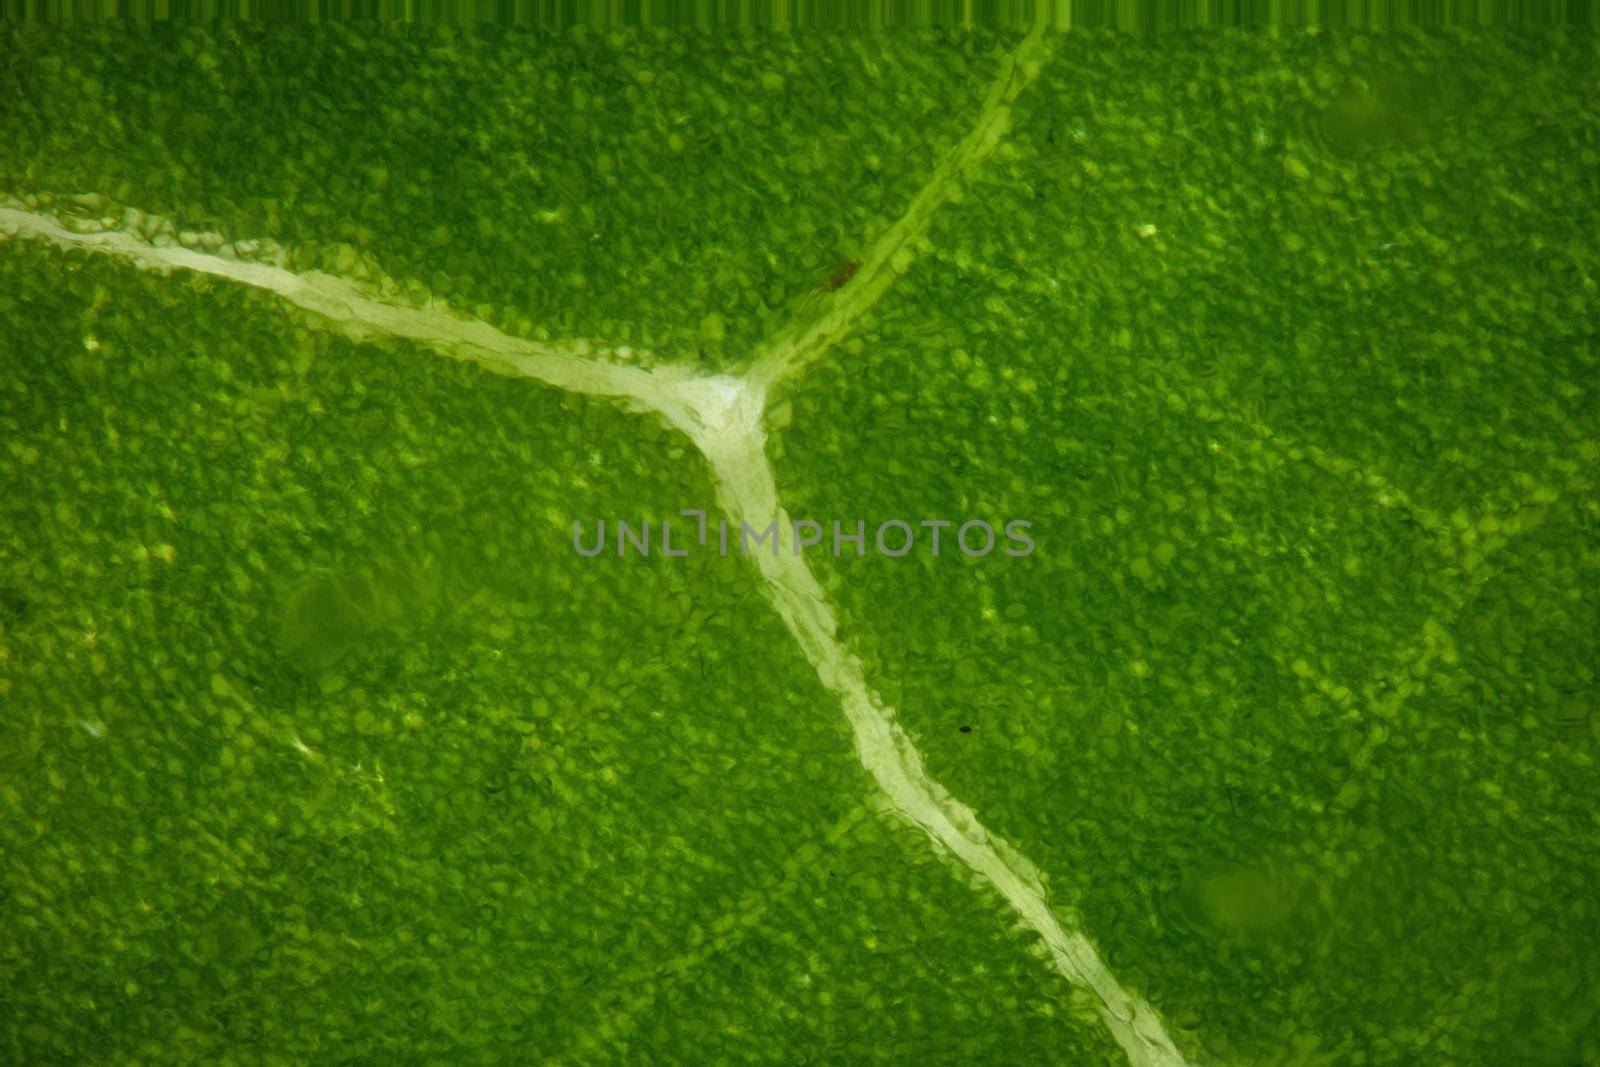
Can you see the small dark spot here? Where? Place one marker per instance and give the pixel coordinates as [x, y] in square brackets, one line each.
[842, 274]
[966, 729]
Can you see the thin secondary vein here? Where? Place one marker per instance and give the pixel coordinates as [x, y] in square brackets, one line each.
[889, 256]
[633, 992]
[1388, 694]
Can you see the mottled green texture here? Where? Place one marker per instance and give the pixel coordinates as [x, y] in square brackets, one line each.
[531, 790]
[317, 744]
[580, 184]
[1316, 752]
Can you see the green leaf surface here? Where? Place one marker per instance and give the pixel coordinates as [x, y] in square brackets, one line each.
[320, 743]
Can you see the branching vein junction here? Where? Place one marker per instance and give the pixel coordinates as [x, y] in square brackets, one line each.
[722, 415]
